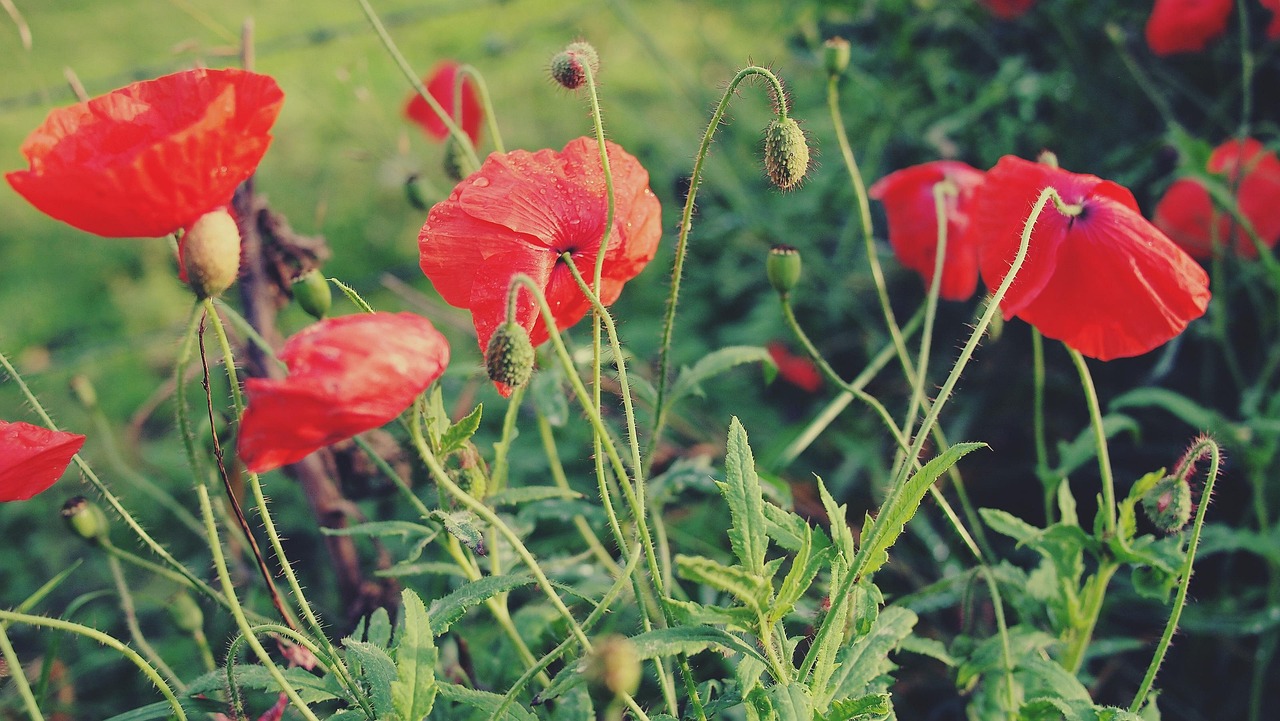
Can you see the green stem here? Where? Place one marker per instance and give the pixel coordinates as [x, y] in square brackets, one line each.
[394, 51]
[502, 449]
[686, 225]
[220, 566]
[135, 631]
[930, 308]
[562, 481]
[1206, 446]
[106, 640]
[1081, 633]
[1037, 422]
[1099, 440]
[486, 104]
[19, 676]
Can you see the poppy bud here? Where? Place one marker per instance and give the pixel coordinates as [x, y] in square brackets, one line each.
[452, 163]
[509, 357]
[185, 612]
[86, 519]
[783, 268]
[414, 192]
[786, 154]
[1048, 157]
[82, 387]
[612, 668]
[210, 253]
[835, 55]
[313, 293]
[567, 67]
[1168, 504]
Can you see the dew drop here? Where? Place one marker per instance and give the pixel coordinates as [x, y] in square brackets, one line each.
[480, 182]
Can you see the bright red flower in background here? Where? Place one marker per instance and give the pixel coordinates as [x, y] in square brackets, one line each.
[1182, 26]
[1273, 29]
[797, 370]
[519, 213]
[907, 195]
[440, 84]
[152, 157]
[346, 375]
[1106, 282]
[1187, 214]
[1008, 9]
[33, 458]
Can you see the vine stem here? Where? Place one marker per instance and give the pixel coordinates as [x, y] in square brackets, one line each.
[1204, 446]
[686, 224]
[106, 640]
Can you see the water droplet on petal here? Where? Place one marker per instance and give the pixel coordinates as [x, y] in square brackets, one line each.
[480, 182]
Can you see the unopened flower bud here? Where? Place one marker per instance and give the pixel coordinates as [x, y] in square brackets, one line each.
[86, 519]
[413, 187]
[783, 268]
[568, 66]
[835, 55]
[786, 153]
[1047, 157]
[185, 612]
[1168, 504]
[509, 357]
[82, 387]
[313, 293]
[209, 252]
[612, 668]
[454, 160]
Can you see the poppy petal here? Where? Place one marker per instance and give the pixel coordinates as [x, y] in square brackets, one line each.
[1183, 26]
[440, 85]
[33, 458]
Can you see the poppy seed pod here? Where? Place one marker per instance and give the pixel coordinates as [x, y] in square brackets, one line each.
[612, 667]
[313, 293]
[509, 357]
[786, 153]
[783, 268]
[567, 67]
[209, 253]
[835, 55]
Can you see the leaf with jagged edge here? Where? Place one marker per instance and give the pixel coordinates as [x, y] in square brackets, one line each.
[713, 364]
[872, 707]
[446, 610]
[462, 526]
[805, 566]
[753, 591]
[483, 701]
[864, 664]
[457, 434]
[841, 535]
[413, 693]
[741, 490]
[891, 521]
[375, 669]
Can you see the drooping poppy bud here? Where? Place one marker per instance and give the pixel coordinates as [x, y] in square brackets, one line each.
[209, 253]
[569, 66]
[786, 153]
[1168, 504]
[509, 357]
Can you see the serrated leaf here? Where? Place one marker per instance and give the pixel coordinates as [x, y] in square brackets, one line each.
[791, 702]
[864, 664]
[376, 670]
[689, 640]
[874, 552]
[463, 526]
[713, 364]
[194, 708]
[751, 590]
[445, 611]
[930, 647]
[437, 568]
[785, 528]
[457, 434]
[872, 707]
[413, 693]
[376, 628]
[484, 701]
[804, 568]
[692, 612]
[382, 529]
[825, 660]
[841, 534]
[531, 494]
[310, 687]
[741, 490]
[758, 705]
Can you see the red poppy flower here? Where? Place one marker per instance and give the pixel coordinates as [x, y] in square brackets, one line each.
[1008, 9]
[1183, 26]
[1104, 281]
[440, 84]
[152, 157]
[1187, 214]
[797, 370]
[346, 375]
[32, 458]
[519, 213]
[1273, 29]
[907, 195]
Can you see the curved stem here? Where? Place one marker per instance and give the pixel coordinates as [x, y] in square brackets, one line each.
[106, 640]
[1206, 446]
[486, 103]
[135, 631]
[19, 676]
[1099, 440]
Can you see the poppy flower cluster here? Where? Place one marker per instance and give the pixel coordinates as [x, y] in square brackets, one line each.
[33, 458]
[1097, 276]
[1185, 26]
[1187, 213]
[347, 375]
[441, 84]
[526, 212]
[152, 157]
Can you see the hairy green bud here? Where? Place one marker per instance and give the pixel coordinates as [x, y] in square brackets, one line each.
[786, 153]
[783, 268]
[509, 357]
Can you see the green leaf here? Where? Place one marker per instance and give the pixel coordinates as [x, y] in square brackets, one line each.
[841, 534]
[547, 391]
[413, 693]
[689, 640]
[791, 702]
[376, 628]
[462, 526]
[382, 529]
[874, 552]
[690, 612]
[750, 589]
[484, 701]
[864, 664]
[713, 364]
[310, 687]
[758, 706]
[194, 707]
[1083, 448]
[930, 647]
[445, 611]
[804, 568]
[741, 489]
[872, 707]
[531, 494]
[457, 434]
[1186, 410]
[376, 669]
